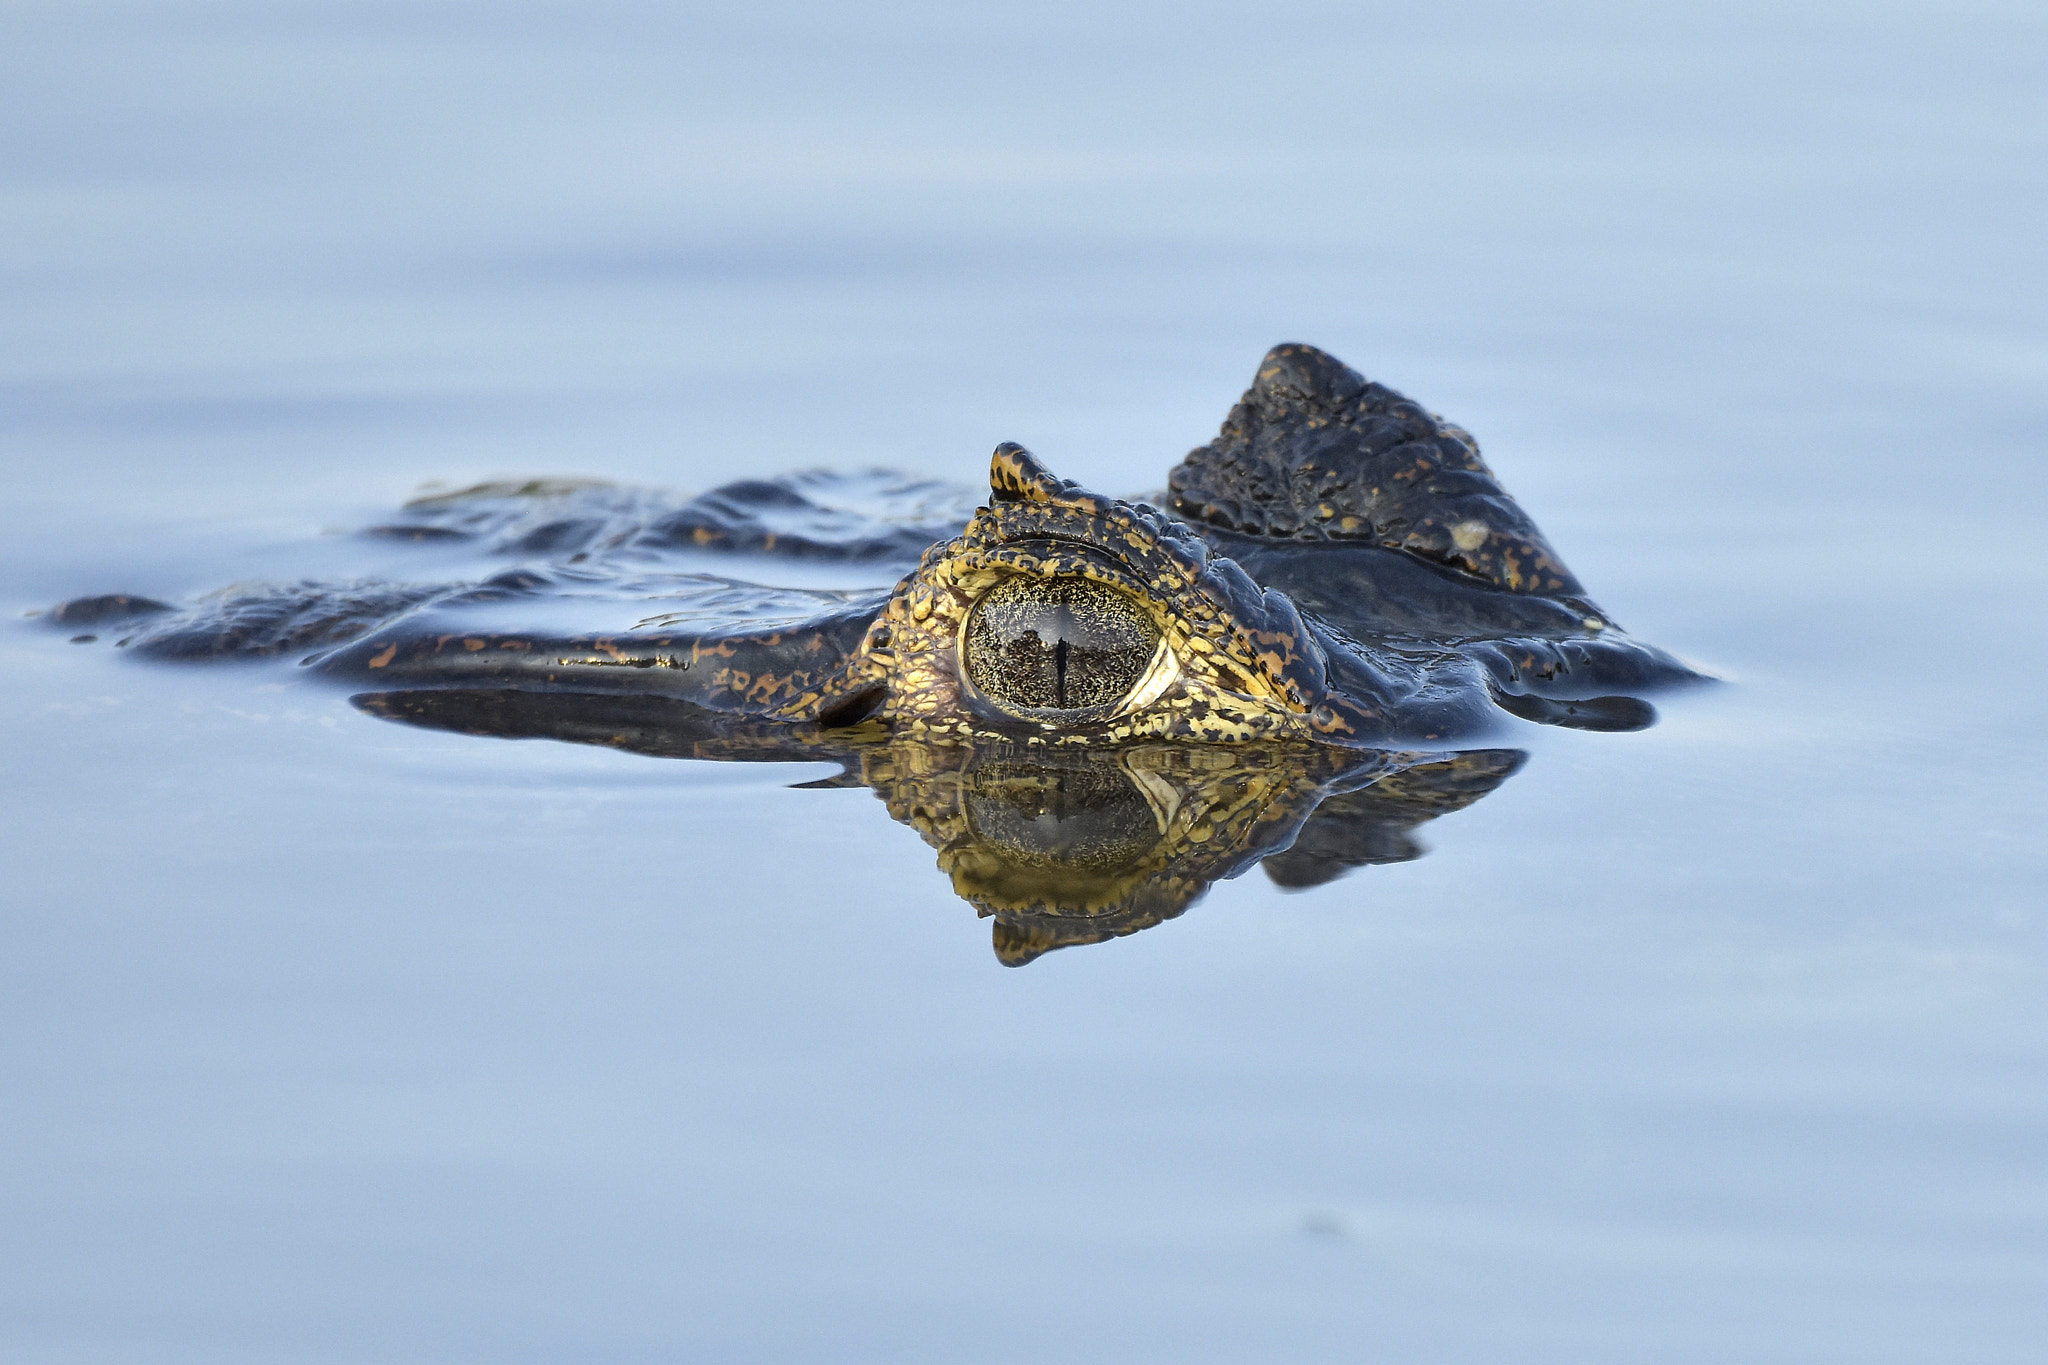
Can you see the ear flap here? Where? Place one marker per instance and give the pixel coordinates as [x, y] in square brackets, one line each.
[1316, 452]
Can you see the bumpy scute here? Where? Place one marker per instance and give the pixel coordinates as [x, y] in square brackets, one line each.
[1314, 451]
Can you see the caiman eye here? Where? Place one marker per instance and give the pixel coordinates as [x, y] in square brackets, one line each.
[1057, 644]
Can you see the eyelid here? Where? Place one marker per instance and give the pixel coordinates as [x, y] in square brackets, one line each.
[1159, 676]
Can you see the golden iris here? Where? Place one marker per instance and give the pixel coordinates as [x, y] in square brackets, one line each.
[1057, 644]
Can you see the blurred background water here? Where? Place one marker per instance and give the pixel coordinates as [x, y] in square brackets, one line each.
[325, 1040]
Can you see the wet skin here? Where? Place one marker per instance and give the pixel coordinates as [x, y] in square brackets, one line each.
[1092, 708]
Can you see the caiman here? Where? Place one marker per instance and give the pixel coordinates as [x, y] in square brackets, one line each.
[1092, 708]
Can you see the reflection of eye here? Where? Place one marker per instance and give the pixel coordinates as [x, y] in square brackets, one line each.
[1057, 644]
[1087, 817]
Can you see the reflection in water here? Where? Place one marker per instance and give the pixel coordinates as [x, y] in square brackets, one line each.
[1059, 846]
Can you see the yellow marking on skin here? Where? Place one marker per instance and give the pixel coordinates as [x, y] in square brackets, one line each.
[472, 644]
[1469, 535]
[385, 656]
[1211, 677]
[620, 661]
[703, 535]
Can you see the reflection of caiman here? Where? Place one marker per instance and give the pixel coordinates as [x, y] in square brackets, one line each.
[1092, 708]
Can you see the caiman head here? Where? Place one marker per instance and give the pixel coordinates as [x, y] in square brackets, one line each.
[1062, 617]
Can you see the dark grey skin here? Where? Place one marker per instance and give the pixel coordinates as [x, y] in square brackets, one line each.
[1334, 579]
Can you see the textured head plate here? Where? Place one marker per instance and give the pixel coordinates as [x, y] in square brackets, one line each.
[1316, 452]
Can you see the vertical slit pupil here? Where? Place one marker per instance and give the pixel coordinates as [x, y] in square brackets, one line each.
[1059, 668]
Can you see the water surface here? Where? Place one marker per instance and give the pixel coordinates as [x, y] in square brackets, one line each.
[330, 1040]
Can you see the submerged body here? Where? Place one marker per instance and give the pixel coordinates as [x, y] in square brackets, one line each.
[1334, 579]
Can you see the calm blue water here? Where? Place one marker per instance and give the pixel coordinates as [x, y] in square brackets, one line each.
[327, 1040]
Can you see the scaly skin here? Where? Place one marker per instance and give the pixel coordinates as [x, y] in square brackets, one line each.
[1238, 663]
